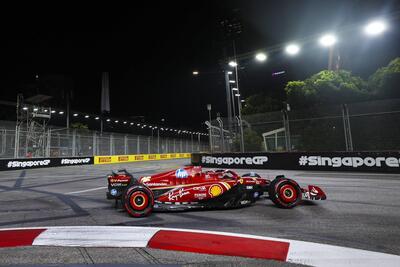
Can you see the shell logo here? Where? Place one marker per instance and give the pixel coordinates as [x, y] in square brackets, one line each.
[215, 190]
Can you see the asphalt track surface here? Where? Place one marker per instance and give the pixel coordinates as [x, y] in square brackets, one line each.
[362, 211]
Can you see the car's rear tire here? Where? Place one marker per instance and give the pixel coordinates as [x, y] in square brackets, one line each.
[138, 201]
[285, 193]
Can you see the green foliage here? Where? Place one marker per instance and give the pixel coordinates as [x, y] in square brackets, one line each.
[260, 103]
[252, 141]
[326, 87]
[332, 87]
[79, 125]
[385, 81]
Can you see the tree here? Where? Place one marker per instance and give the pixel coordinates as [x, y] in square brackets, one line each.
[260, 103]
[385, 81]
[79, 126]
[252, 141]
[326, 87]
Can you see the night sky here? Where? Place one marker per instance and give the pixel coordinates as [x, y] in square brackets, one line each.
[151, 50]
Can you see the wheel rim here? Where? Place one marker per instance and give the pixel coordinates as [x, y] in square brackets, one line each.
[139, 200]
[288, 193]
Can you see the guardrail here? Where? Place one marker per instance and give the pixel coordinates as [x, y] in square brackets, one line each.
[387, 162]
[138, 157]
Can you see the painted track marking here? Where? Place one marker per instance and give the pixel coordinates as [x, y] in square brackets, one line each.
[208, 242]
[87, 190]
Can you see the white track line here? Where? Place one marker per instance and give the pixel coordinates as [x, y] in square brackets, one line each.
[87, 190]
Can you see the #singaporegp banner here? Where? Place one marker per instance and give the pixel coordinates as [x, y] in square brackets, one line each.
[32, 163]
[314, 161]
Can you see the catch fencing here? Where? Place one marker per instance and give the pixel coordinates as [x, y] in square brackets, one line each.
[74, 142]
[363, 126]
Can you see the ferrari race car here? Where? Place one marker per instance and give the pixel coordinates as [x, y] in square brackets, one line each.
[192, 188]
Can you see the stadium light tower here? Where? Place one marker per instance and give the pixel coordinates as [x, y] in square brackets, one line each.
[329, 40]
[209, 117]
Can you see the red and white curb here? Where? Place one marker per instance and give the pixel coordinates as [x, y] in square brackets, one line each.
[209, 242]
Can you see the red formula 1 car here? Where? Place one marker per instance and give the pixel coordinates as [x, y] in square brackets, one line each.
[192, 188]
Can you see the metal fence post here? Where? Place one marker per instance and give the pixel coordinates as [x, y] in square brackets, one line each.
[138, 145]
[158, 141]
[111, 144]
[347, 130]
[3, 142]
[94, 145]
[126, 145]
[74, 143]
[148, 145]
[48, 143]
[287, 129]
[16, 141]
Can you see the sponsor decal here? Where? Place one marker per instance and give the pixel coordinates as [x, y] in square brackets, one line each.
[119, 180]
[199, 188]
[256, 160]
[200, 196]
[163, 156]
[173, 155]
[28, 164]
[306, 195]
[152, 156]
[313, 191]
[118, 184]
[104, 159]
[156, 184]
[145, 179]
[215, 190]
[181, 173]
[113, 192]
[75, 161]
[173, 196]
[181, 155]
[123, 158]
[353, 162]
[139, 157]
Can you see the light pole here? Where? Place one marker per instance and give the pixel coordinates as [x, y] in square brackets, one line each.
[260, 57]
[209, 117]
[329, 40]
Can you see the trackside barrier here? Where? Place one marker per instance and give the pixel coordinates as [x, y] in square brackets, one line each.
[18, 164]
[33, 163]
[387, 162]
[138, 157]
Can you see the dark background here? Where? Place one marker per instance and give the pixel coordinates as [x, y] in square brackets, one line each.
[151, 50]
